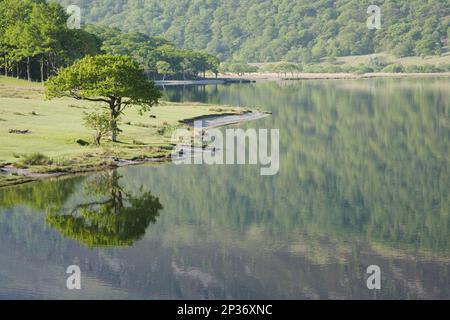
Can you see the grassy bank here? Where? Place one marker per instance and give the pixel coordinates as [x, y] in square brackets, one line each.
[44, 136]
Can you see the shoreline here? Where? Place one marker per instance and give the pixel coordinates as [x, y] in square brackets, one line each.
[255, 77]
[206, 81]
[23, 176]
[216, 121]
[333, 76]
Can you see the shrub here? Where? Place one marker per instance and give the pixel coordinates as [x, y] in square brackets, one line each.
[100, 123]
[36, 159]
[394, 68]
[326, 69]
[377, 63]
[61, 162]
[241, 68]
[427, 68]
[334, 69]
[166, 129]
[361, 69]
[314, 69]
[138, 143]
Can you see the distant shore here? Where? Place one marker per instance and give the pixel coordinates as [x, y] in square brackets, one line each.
[255, 77]
[224, 80]
[330, 76]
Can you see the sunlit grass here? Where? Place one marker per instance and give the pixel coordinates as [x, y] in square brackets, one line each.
[55, 126]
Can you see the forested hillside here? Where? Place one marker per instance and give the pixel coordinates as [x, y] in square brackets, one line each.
[35, 42]
[273, 30]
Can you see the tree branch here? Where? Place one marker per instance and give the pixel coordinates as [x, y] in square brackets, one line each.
[91, 99]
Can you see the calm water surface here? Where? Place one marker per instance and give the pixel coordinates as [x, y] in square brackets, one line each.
[364, 180]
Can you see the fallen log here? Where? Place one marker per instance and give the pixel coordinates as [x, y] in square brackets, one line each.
[19, 131]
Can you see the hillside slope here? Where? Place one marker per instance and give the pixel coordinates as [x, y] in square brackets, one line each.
[272, 30]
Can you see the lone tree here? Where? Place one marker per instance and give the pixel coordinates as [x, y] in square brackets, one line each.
[116, 80]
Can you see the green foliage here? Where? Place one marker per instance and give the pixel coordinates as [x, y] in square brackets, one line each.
[427, 68]
[101, 77]
[164, 68]
[238, 68]
[267, 30]
[394, 68]
[35, 42]
[167, 129]
[362, 69]
[34, 34]
[156, 55]
[116, 218]
[284, 67]
[100, 123]
[118, 81]
[36, 159]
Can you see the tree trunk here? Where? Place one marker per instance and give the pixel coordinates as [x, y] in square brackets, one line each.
[28, 68]
[18, 70]
[113, 119]
[113, 134]
[113, 126]
[52, 65]
[98, 139]
[42, 69]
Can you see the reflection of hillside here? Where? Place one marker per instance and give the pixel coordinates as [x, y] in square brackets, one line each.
[369, 161]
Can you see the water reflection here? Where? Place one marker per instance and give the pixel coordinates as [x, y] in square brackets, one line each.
[363, 159]
[113, 218]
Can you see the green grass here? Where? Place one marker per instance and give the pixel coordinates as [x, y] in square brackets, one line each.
[18, 82]
[55, 126]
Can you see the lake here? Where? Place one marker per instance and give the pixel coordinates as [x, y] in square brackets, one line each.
[364, 180]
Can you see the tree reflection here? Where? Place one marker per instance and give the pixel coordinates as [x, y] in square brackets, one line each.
[114, 218]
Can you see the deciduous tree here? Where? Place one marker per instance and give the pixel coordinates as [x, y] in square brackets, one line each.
[117, 81]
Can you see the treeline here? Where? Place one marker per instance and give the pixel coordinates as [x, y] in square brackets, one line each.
[35, 42]
[158, 56]
[275, 30]
[373, 65]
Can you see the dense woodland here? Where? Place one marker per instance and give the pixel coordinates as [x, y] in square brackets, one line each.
[35, 42]
[274, 30]
[155, 54]
[170, 39]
